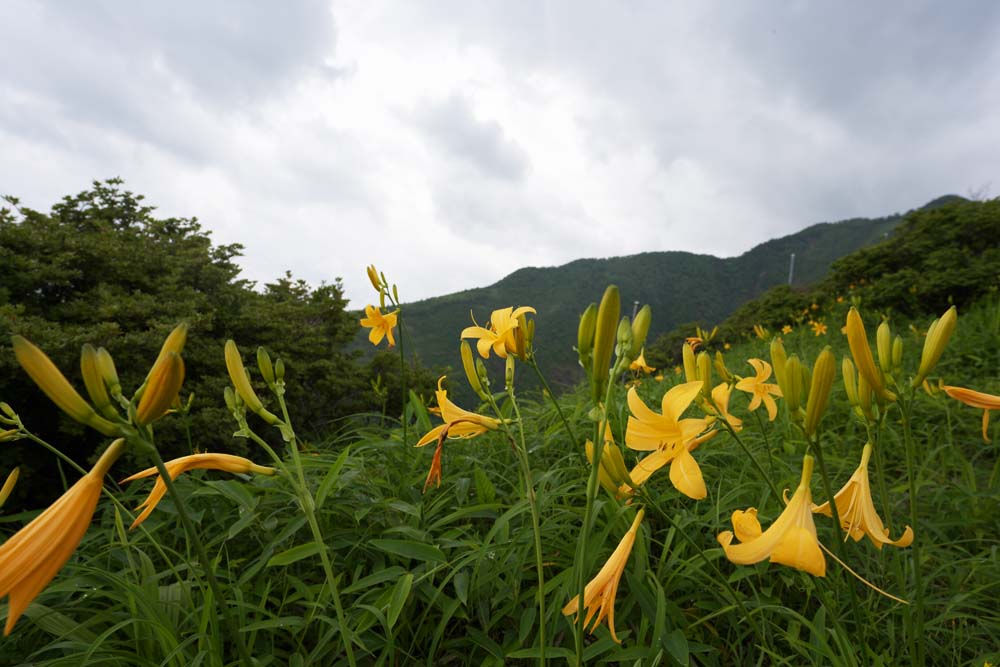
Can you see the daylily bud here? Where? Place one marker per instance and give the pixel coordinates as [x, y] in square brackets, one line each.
[857, 339]
[8, 486]
[7, 410]
[524, 334]
[897, 355]
[778, 358]
[231, 399]
[483, 375]
[279, 370]
[174, 343]
[265, 366]
[690, 365]
[850, 381]
[792, 392]
[109, 373]
[48, 378]
[934, 344]
[241, 382]
[824, 371]
[883, 343]
[720, 368]
[640, 329]
[704, 365]
[509, 373]
[373, 277]
[612, 472]
[469, 366]
[865, 399]
[585, 336]
[604, 340]
[162, 387]
[94, 382]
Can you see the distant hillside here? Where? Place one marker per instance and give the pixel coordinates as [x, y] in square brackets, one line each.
[680, 287]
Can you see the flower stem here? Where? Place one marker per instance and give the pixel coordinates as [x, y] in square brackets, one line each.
[548, 392]
[916, 639]
[746, 450]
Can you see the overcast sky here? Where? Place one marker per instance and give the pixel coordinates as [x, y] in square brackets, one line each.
[451, 143]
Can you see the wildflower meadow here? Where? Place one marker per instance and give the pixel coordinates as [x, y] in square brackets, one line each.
[814, 495]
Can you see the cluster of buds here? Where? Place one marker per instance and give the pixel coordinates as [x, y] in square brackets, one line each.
[245, 397]
[806, 391]
[602, 331]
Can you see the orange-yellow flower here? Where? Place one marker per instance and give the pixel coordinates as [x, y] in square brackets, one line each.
[761, 332]
[856, 509]
[599, 594]
[381, 325]
[639, 365]
[694, 341]
[458, 423]
[760, 389]
[976, 399]
[791, 540]
[498, 333]
[668, 436]
[227, 462]
[818, 328]
[720, 401]
[33, 556]
[787, 329]
[685, 474]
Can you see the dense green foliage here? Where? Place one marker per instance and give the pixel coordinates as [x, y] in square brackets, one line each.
[100, 268]
[680, 287]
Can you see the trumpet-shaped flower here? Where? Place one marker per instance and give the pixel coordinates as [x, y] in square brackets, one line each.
[639, 365]
[498, 334]
[685, 474]
[791, 540]
[458, 423]
[599, 594]
[33, 556]
[760, 389]
[976, 399]
[668, 437]
[226, 462]
[857, 510]
[381, 325]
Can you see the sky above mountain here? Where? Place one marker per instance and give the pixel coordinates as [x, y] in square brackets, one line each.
[451, 143]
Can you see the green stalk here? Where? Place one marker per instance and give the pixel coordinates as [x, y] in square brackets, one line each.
[916, 639]
[522, 457]
[581, 545]
[199, 548]
[308, 505]
[746, 450]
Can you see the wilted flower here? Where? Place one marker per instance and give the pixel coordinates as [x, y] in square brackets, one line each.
[463, 424]
[599, 594]
[639, 365]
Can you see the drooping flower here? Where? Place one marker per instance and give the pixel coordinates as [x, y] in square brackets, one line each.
[857, 510]
[458, 423]
[668, 436]
[381, 325]
[976, 399]
[640, 366]
[599, 594]
[760, 389]
[791, 540]
[33, 556]
[498, 334]
[227, 462]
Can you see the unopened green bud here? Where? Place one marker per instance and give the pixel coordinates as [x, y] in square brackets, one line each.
[482, 374]
[509, 373]
[793, 381]
[720, 368]
[585, 335]
[106, 365]
[469, 366]
[8, 486]
[897, 355]
[7, 410]
[230, 397]
[264, 364]
[279, 371]
[883, 343]
[604, 340]
[865, 396]
[623, 339]
[241, 382]
[704, 365]
[934, 344]
[824, 372]
[778, 358]
[94, 382]
[690, 366]
[850, 381]
[640, 329]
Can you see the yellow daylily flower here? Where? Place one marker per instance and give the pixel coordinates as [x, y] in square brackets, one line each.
[685, 474]
[498, 333]
[857, 510]
[639, 365]
[818, 328]
[787, 329]
[599, 594]
[760, 389]
[458, 423]
[33, 556]
[791, 540]
[381, 325]
[668, 436]
[227, 462]
[976, 399]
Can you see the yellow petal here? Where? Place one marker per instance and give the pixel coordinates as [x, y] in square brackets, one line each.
[686, 476]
